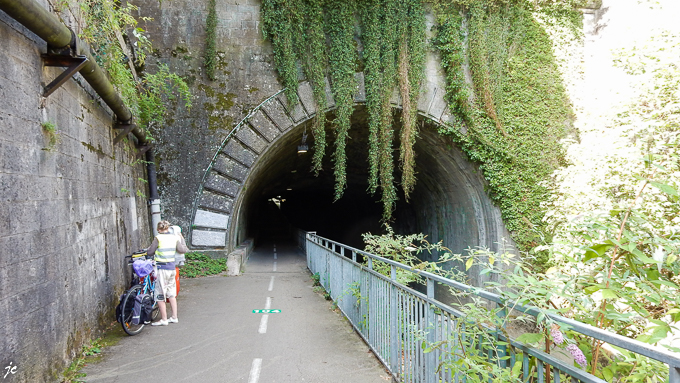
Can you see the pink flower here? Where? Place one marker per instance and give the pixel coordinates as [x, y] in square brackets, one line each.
[577, 354]
[557, 336]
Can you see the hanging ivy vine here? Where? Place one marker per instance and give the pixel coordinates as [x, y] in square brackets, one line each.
[279, 18]
[315, 61]
[393, 39]
[371, 37]
[508, 119]
[210, 61]
[341, 62]
[411, 74]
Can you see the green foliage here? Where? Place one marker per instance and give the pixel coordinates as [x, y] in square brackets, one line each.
[105, 26]
[314, 63]
[200, 265]
[278, 18]
[53, 137]
[370, 12]
[160, 88]
[210, 52]
[342, 64]
[519, 111]
[405, 250]
[411, 74]
[316, 278]
[394, 44]
[88, 353]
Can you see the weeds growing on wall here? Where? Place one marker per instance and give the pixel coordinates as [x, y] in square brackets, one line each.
[50, 129]
[121, 47]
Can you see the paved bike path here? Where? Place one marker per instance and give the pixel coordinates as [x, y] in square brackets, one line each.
[220, 339]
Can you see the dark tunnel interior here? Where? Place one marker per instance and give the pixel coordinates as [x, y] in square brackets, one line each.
[448, 203]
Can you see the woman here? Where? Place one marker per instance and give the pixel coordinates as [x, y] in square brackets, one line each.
[164, 247]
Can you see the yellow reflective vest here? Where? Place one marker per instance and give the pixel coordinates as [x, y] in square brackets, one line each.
[167, 243]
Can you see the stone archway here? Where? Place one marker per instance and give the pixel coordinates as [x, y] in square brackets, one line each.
[461, 205]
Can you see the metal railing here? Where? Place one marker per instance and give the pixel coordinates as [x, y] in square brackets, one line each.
[395, 320]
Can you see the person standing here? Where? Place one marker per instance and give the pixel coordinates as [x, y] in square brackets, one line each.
[164, 247]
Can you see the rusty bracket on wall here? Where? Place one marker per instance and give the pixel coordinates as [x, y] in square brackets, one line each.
[72, 64]
[127, 128]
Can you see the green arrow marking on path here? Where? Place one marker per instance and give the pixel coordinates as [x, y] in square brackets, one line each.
[266, 311]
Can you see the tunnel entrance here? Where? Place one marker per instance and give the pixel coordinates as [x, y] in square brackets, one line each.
[258, 186]
[448, 203]
[286, 194]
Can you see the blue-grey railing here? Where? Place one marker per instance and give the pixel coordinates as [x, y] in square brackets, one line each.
[394, 319]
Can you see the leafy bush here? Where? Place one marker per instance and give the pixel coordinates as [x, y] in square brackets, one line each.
[200, 265]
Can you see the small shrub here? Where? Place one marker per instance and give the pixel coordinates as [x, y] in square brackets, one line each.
[50, 130]
[316, 278]
[200, 265]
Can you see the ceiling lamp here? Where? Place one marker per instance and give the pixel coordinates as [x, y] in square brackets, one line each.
[302, 148]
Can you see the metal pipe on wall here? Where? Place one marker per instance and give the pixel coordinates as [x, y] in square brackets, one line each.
[154, 200]
[48, 27]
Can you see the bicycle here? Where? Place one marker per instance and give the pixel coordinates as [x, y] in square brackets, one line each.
[139, 285]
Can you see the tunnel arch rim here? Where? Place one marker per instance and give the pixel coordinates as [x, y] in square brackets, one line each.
[427, 109]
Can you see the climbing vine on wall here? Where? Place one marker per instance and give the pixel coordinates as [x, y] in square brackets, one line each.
[210, 53]
[508, 119]
[120, 47]
[518, 110]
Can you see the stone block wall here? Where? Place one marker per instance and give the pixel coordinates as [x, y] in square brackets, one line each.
[69, 212]
[245, 76]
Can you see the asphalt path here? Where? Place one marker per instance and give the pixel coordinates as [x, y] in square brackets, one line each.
[220, 339]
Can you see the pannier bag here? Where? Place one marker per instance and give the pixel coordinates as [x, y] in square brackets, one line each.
[147, 308]
[141, 312]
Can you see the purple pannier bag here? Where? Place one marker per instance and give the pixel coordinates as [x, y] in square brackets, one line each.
[143, 267]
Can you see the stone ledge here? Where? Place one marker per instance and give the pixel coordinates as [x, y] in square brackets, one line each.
[236, 260]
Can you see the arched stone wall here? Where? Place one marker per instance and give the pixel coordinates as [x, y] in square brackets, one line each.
[218, 220]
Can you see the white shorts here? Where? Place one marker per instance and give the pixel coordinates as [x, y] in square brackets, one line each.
[165, 284]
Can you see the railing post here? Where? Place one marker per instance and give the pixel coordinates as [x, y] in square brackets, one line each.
[430, 361]
[673, 374]
[394, 338]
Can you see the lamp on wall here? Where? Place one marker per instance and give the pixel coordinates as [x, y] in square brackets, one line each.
[302, 148]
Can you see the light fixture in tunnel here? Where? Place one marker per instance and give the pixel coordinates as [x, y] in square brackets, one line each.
[277, 201]
[302, 148]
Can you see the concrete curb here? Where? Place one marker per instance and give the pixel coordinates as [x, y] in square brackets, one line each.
[237, 259]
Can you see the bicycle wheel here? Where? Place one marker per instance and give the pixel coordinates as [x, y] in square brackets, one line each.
[156, 313]
[126, 311]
